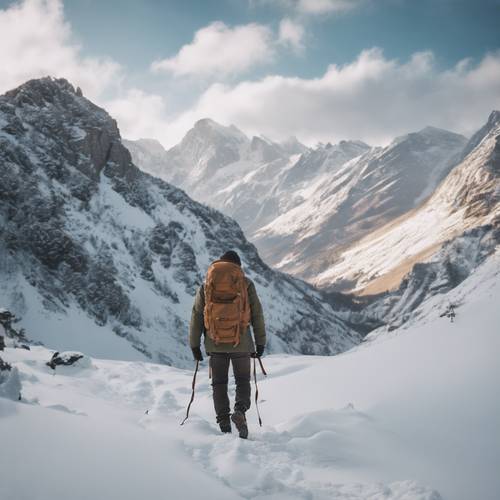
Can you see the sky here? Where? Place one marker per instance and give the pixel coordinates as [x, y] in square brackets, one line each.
[321, 70]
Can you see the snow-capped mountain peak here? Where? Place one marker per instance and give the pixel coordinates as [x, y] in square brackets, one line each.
[293, 146]
[207, 147]
[491, 124]
[208, 132]
[261, 150]
[207, 126]
[153, 146]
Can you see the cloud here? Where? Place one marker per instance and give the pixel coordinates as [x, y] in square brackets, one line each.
[139, 114]
[219, 50]
[291, 34]
[325, 6]
[372, 98]
[37, 41]
[313, 7]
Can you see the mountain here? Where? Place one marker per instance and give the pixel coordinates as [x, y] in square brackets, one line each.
[252, 180]
[381, 222]
[149, 153]
[467, 199]
[99, 256]
[454, 262]
[209, 157]
[342, 204]
[303, 210]
[293, 146]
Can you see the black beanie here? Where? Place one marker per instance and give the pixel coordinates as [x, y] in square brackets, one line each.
[231, 256]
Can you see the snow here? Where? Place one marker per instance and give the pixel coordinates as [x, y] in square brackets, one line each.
[339, 199]
[71, 329]
[10, 384]
[381, 251]
[420, 233]
[409, 414]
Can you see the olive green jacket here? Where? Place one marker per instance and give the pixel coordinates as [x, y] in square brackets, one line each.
[196, 328]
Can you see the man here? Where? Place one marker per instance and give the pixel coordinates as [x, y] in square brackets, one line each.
[223, 310]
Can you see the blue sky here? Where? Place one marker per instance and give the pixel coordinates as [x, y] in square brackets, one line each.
[135, 32]
[318, 69]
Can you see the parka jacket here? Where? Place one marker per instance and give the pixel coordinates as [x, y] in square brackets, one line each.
[196, 328]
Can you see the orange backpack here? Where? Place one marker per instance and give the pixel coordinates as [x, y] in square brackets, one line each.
[227, 310]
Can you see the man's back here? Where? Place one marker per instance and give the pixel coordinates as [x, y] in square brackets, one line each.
[246, 341]
[237, 353]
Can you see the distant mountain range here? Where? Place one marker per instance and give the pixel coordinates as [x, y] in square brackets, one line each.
[345, 217]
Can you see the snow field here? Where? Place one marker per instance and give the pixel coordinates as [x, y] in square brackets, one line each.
[85, 432]
[410, 414]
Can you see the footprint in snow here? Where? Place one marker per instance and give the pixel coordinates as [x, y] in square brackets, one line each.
[167, 402]
[65, 409]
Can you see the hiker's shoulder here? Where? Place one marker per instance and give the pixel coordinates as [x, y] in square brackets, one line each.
[250, 284]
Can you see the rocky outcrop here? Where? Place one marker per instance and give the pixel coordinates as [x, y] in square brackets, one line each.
[65, 359]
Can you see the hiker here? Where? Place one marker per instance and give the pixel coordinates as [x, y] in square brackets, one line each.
[227, 291]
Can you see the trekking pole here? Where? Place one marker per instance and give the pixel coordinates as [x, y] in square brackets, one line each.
[192, 393]
[262, 367]
[257, 387]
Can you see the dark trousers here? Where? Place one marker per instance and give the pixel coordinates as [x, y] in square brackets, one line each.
[219, 362]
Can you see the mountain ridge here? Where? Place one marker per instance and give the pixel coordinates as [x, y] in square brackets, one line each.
[302, 210]
[320, 203]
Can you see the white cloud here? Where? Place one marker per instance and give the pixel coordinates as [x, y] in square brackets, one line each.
[36, 41]
[291, 34]
[220, 50]
[325, 6]
[313, 7]
[139, 114]
[373, 99]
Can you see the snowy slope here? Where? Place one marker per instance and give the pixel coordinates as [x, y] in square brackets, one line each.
[222, 167]
[101, 257]
[453, 263]
[468, 197]
[341, 205]
[410, 414]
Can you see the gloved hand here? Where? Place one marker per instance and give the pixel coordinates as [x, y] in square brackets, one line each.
[197, 354]
[259, 351]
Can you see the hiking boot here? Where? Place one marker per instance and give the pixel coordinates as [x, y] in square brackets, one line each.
[225, 426]
[240, 421]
